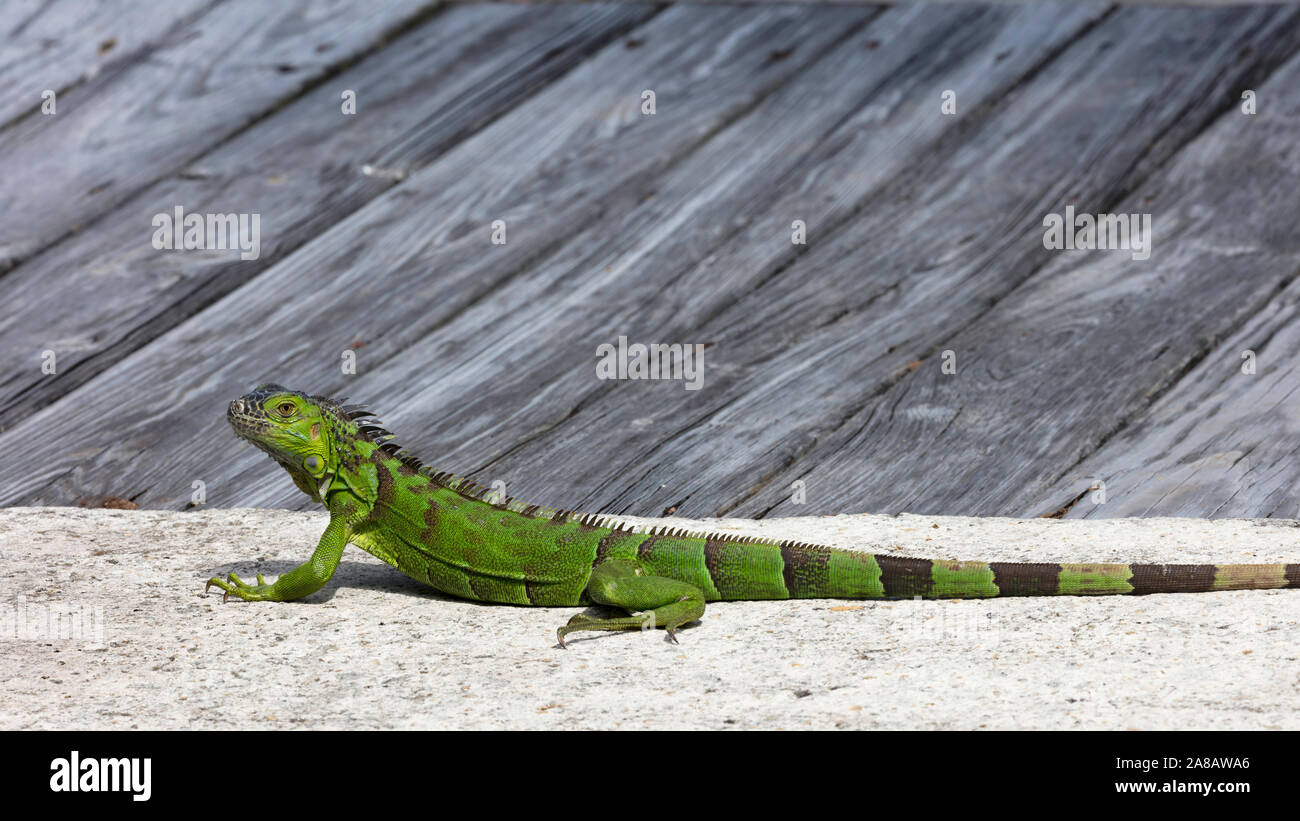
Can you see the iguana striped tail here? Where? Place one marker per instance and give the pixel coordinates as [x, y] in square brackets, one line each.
[810, 571]
[736, 568]
[664, 578]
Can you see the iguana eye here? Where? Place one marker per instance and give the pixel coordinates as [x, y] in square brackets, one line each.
[285, 408]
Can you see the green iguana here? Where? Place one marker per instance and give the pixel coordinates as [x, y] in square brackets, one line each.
[450, 533]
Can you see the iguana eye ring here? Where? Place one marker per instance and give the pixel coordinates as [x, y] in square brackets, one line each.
[285, 408]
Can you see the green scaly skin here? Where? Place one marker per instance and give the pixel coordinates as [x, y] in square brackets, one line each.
[450, 533]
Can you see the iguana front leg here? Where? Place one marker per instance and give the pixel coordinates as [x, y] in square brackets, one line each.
[304, 579]
[658, 601]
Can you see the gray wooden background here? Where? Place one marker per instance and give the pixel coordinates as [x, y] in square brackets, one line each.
[823, 365]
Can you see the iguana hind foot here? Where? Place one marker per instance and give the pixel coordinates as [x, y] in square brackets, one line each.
[652, 601]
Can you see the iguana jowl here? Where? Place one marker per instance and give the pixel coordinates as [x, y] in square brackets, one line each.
[447, 532]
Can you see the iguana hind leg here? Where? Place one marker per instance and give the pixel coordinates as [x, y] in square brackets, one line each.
[656, 601]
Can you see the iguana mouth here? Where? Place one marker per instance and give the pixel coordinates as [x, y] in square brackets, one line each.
[246, 421]
[246, 416]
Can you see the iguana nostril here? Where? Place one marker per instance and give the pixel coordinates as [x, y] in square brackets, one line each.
[237, 406]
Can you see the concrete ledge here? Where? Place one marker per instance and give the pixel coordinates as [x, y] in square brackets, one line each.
[376, 650]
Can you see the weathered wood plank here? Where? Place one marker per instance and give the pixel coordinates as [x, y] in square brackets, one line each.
[123, 130]
[99, 295]
[1058, 364]
[576, 150]
[1158, 3]
[798, 364]
[1221, 442]
[56, 45]
[616, 268]
[716, 231]
[953, 2]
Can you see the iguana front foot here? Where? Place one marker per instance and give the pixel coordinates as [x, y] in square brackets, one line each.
[232, 585]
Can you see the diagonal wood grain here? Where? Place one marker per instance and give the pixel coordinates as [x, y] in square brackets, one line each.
[925, 234]
[57, 45]
[1084, 344]
[1220, 442]
[97, 296]
[121, 131]
[716, 231]
[489, 388]
[419, 254]
[801, 362]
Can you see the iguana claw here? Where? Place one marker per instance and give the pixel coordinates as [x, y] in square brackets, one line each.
[578, 619]
[232, 585]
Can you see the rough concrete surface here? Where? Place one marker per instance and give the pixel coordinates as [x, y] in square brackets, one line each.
[105, 625]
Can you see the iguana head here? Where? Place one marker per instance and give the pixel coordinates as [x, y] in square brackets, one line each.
[297, 431]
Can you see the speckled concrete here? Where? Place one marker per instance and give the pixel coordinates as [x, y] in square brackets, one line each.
[375, 649]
